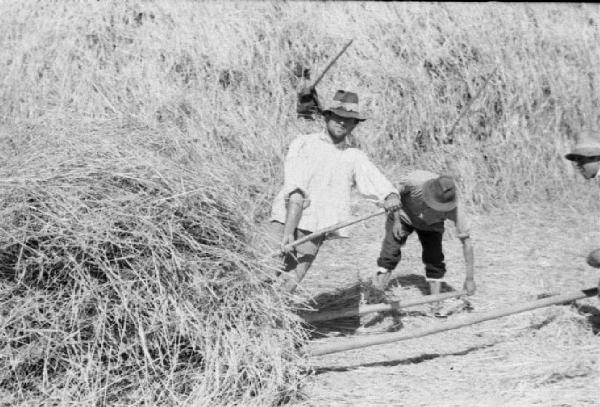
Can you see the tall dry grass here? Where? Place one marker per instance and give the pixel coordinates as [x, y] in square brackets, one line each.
[131, 177]
[414, 65]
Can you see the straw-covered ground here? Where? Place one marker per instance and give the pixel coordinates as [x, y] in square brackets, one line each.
[141, 144]
[546, 357]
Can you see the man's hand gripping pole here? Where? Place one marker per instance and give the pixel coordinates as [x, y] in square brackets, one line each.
[328, 229]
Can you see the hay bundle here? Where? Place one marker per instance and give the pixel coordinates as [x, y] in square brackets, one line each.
[126, 278]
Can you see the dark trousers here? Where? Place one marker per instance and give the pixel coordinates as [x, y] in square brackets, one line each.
[431, 243]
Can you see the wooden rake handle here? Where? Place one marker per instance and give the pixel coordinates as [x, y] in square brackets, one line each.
[329, 229]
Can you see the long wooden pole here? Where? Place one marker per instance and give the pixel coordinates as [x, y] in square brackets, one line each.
[318, 350]
[329, 229]
[331, 63]
[366, 309]
[468, 106]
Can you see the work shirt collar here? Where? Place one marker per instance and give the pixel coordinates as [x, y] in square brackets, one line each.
[324, 136]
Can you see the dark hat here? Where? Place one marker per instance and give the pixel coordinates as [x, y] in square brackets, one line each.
[440, 193]
[345, 104]
[587, 145]
[586, 149]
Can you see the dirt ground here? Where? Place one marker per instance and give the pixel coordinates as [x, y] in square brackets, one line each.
[545, 357]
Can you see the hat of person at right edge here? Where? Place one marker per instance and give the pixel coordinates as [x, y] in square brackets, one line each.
[587, 146]
[440, 193]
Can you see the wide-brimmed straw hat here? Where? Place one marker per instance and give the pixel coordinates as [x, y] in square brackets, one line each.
[345, 104]
[440, 193]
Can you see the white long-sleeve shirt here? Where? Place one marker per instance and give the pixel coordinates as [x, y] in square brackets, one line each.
[326, 175]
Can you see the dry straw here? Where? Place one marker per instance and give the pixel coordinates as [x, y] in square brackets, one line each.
[225, 73]
[127, 278]
[128, 273]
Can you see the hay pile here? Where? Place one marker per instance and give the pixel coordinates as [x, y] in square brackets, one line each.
[126, 278]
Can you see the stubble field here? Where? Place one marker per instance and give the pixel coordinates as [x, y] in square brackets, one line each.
[545, 357]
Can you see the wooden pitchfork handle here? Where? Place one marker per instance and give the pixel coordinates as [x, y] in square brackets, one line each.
[328, 229]
[331, 64]
[465, 110]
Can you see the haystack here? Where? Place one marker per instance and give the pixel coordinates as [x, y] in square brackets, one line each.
[127, 278]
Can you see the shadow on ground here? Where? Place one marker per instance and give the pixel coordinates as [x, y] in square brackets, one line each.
[343, 298]
[407, 361]
[419, 282]
[349, 297]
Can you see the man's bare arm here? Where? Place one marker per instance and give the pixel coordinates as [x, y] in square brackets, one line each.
[293, 215]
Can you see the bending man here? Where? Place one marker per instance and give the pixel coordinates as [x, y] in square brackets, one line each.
[428, 199]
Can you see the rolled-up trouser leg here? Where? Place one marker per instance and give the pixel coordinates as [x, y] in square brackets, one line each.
[391, 253]
[433, 256]
[304, 254]
[298, 261]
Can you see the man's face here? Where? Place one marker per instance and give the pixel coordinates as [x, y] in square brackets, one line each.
[588, 166]
[339, 127]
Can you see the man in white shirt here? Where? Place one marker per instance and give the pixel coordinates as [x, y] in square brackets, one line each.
[320, 171]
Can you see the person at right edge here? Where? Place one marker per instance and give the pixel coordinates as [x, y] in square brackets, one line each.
[427, 200]
[586, 157]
